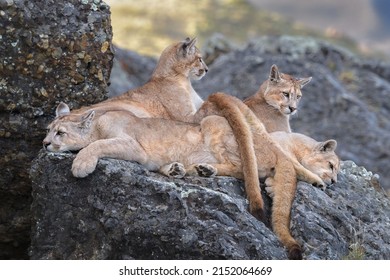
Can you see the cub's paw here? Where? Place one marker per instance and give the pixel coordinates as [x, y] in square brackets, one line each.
[174, 170]
[269, 182]
[83, 165]
[319, 184]
[177, 170]
[205, 170]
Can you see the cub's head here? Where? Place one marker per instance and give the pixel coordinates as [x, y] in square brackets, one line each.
[283, 91]
[182, 58]
[68, 131]
[323, 161]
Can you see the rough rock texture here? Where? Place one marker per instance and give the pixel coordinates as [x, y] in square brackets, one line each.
[347, 98]
[50, 51]
[122, 211]
[350, 214]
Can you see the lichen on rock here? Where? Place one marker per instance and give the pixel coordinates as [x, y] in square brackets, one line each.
[39, 67]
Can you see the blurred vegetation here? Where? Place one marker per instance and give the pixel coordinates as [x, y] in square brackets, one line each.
[149, 26]
[356, 252]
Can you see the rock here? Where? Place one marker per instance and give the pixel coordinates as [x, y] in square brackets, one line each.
[130, 70]
[350, 214]
[216, 46]
[122, 211]
[50, 51]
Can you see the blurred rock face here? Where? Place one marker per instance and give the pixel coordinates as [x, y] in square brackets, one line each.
[50, 51]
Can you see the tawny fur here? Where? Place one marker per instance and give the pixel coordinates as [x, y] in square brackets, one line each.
[284, 152]
[169, 93]
[277, 99]
[119, 134]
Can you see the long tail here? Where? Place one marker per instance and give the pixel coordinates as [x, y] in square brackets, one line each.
[229, 108]
[284, 184]
[285, 178]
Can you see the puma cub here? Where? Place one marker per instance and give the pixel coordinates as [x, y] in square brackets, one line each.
[206, 149]
[277, 99]
[317, 157]
[169, 93]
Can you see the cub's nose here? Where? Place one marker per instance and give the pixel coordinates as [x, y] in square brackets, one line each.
[203, 71]
[45, 144]
[292, 109]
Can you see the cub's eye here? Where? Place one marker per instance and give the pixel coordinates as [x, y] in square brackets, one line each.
[60, 133]
[200, 59]
[331, 166]
[299, 96]
[286, 94]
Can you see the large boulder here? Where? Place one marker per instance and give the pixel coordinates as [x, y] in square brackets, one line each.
[122, 211]
[50, 51]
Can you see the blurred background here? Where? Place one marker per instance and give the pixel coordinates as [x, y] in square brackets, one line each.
[348, 98]
[148, 26]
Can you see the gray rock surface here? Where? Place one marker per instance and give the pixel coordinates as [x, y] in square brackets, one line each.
[50, 51]
[122, 211]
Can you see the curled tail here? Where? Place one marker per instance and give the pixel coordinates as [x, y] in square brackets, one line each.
[228, 107]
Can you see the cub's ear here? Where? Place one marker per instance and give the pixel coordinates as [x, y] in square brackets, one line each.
[188, 45]
[304, 81]
[274, 75]
[327, 146]
[62, 110]
[87, 119]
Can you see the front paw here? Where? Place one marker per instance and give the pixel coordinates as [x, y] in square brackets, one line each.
[83, 165]
[319, 184]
